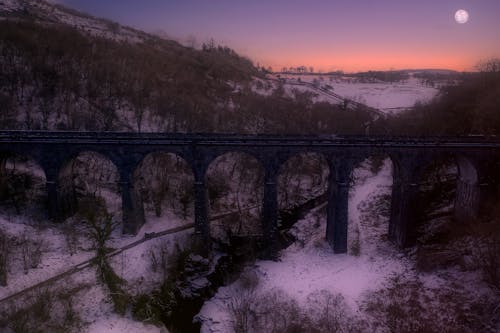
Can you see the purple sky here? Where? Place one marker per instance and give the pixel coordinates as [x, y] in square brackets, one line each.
[327, 34]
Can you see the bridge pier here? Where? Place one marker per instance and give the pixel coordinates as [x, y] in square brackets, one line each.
[270, 214]
[201, 227]
[338, 205]
[403, 217]
[53, 207]
[132, 207]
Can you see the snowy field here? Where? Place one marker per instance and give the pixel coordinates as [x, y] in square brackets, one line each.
[387, 97]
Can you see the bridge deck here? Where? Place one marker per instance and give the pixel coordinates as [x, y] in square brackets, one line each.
[127, 138]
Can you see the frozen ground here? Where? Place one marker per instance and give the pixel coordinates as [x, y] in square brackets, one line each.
[304, 268]
[309, 265]
[93, 304]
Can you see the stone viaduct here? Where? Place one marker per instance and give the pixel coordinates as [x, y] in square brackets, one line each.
[476, 157]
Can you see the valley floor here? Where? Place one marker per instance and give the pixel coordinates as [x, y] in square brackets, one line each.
[359, 280]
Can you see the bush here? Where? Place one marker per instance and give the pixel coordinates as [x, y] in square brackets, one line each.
[355, 246]
[487, 251]
[160, 259]
[114, 283]
[405, 305]
[98, 222]
[100, 225]
[4, 258]
[277, 312]
[46, 310]
[243, 307]
[157, 307]
[31, 252]
[330, 313]
[71, 235]
[490, 261]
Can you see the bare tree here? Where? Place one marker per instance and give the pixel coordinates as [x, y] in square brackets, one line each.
[4, 255]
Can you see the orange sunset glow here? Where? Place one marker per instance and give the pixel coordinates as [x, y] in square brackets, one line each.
[328, 35]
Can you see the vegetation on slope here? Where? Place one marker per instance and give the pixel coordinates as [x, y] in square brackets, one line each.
[470, 107]
[58, 76]
[54, 77]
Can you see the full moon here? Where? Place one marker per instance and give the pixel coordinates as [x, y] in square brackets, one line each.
[461, 16]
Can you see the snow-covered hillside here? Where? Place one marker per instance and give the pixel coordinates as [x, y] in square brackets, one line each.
[63, 249]
[54, 13]
[385, 96]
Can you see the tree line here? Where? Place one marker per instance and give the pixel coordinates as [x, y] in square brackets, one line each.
[53, 77]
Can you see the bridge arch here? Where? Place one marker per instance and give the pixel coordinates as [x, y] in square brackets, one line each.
[92, 175]
[461, 176]
[235, 189]
[446, 191]
[303, 184]
[211, 156]
[22, 182]
[370, 201]
[165, 185]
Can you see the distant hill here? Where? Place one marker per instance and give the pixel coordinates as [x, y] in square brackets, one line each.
[432, 71]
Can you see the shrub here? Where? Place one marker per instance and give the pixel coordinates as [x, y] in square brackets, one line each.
[490, 261]
[100, 225]
[276, 312]
[243, 307]
[114, 283]
[158, 306]
[355, 246]
[406, 305]
[98, 222]
[160, 259]
[4, 258]
[71, 236]
[330, 313]
[31, 252]
[44, 310]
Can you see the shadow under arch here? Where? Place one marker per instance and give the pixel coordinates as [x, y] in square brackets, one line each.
[448, 191]
[165, 185]
[370, 202]
[303, 188]
[23, 183]
[235, 190]
[92, 175]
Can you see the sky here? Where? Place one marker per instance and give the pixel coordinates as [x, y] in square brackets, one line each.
[349, 35]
